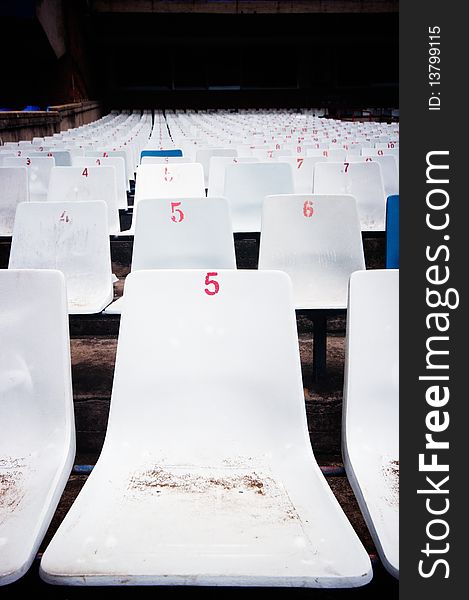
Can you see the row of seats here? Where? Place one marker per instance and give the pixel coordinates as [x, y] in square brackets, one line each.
[315, 239]
[245, 184]
[207, 475]
[170, 505]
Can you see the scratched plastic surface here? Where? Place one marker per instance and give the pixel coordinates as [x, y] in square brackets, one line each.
[37, 445]
[73, 238]
[246, 186]
[14, 188]
[216, 179]
[177, 180]
[362, 180]
[190, 233]
[207, 475]
[109, 161]
[317, 241]
[371, 406]
[39, 169]
[73, 184]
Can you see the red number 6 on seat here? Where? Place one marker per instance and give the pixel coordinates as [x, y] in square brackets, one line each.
[216, 285]
[308, 209]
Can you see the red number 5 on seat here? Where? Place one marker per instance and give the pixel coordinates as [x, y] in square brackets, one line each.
[178, 211]
[216, 285]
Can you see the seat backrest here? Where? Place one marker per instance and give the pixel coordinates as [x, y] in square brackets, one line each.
[190, 233]
[246, 186]
[389, 170]
[317, 241]
[216, 179]
[110, 153]
[39, 170]
[14, 188]
[392, 233]
[302, 170]
[110, 161]
[69, 184]
[73, 238]
[35, 379]
[371, 393]
[161, 153]
[232, 334]
[185, 180]
[203, 156]
[62, 158]
[163, 160]
[362, 180]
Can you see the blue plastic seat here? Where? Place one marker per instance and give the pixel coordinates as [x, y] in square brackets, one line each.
[392, 232]
[167, 152]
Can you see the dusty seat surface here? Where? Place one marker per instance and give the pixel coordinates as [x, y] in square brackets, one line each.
[208, 478]
[37, 445]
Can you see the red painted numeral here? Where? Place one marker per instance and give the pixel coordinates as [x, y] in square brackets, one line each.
[64, 217]
[85, 172]
[41, 148]
[98, 162]
[19, 153]
[380, 153]
[298, 149]
[299, 162]
[216, 285]
[308, 209]
[178, 211]
[325, 153]
[277, 146]
[390, 145]
[105, 154]
[167, 175]
[269, 153]
[49, 154]
[346, 165]
[28, 161]
[368, 159]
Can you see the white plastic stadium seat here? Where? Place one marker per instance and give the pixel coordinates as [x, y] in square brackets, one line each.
[207, 478]
[362, 180]
[14, 188]
[190, 233]
[302, 170]
[370, 436]
[216, 180]
[317, 241]
[39, 170]
[73, 238]
[203, 156]
[389, 171]
[37, 445]
[86, 184]
[111, 161]
[178, 180]
[246, 186]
